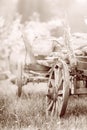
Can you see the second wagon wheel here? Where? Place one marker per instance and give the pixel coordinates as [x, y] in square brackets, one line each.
[58, 90]
[19, 79]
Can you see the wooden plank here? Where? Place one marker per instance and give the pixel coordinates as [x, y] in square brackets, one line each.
[82, 58]
[81, 91]
[81, 62]
[81, 65]
[37, 79]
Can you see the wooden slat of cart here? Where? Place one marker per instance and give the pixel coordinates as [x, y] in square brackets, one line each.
[82, 58]
[82, 62]
[81, 65]
[37, 79]
[81, 91]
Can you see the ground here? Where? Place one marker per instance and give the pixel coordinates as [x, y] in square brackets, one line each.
[28, 112]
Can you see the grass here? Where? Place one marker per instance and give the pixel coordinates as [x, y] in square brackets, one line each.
[28, 113]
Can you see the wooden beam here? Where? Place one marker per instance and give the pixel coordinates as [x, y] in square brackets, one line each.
[82, 91]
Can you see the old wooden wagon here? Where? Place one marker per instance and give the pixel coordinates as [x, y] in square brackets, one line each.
[63, 78]
[62, 81]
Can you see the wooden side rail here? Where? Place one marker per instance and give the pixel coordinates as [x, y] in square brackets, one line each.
[81, 62]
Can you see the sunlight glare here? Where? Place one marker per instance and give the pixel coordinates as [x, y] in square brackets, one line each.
[81, 1]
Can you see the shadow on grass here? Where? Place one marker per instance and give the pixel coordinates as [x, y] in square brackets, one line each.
[77, 106]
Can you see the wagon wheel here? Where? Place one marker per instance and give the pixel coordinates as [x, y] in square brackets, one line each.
[19, 80]
[58, 90]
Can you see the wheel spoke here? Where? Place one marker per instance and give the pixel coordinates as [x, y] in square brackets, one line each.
[60, 93]
[60, 98]
[50, 105]
[53, 109]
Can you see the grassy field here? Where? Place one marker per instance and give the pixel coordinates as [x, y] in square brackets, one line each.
[28, 113]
